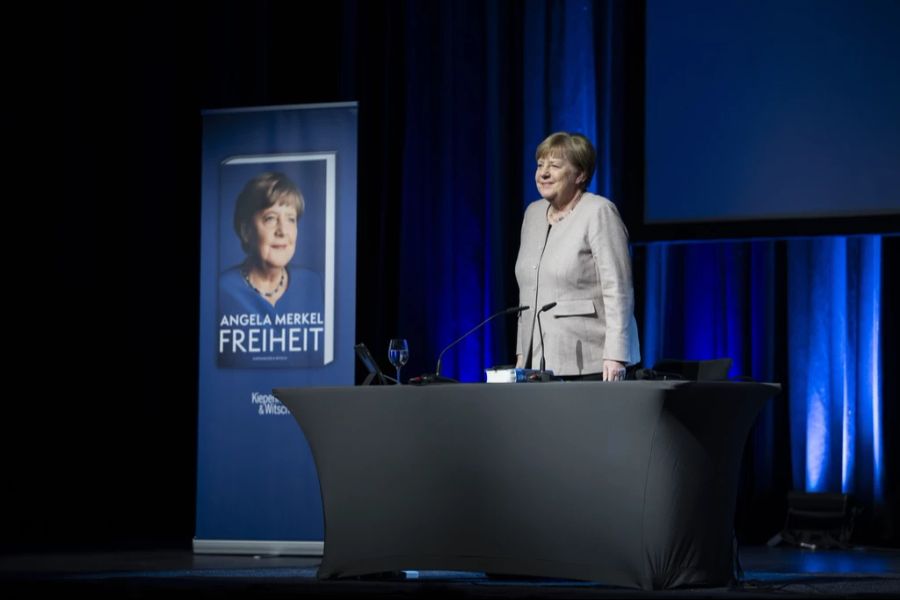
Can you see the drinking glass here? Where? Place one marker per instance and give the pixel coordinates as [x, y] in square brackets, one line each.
[398, 354]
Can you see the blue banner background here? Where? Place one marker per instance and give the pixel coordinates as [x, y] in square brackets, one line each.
[256, 479]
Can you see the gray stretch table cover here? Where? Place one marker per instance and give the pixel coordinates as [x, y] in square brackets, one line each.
[628, 483]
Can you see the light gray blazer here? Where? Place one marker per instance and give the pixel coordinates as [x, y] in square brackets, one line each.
[581, 263]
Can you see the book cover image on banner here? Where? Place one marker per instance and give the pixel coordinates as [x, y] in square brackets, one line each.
[274, 217]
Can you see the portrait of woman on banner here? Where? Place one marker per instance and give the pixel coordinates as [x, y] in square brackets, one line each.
[270, 310]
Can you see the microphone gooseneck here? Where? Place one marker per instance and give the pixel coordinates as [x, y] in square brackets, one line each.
[505, 311]
[541, 332]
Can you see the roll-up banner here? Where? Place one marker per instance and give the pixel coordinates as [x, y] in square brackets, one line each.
[277, 309]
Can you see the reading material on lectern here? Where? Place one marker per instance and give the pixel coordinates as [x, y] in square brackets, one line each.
[511, 375]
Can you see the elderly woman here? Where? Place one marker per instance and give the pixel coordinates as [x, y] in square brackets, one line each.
[574, 252]
[276, 306]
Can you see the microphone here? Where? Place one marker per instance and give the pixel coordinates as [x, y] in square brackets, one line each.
[436, 377]
[541, 332]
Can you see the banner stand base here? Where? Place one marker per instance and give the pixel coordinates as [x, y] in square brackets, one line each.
[266, 547]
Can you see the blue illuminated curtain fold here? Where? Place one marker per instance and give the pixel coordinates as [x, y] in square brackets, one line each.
[710, 300]
[560, 86]
[716, 299]
[444, 259]
[834, 360]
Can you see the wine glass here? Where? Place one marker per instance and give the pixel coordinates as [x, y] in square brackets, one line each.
[398, 354]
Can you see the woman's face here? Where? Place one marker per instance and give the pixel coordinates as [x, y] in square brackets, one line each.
[557, 179]
[275, 230]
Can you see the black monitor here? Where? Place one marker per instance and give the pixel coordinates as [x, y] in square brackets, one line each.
[694, 370]
[375, 375]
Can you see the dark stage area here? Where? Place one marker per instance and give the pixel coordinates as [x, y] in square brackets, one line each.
[100, 447]
[767, 572]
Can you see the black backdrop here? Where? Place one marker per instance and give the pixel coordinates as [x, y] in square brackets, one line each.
[100, 444]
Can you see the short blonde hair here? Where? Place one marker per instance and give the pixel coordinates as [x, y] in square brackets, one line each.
[265, 190]
[575, 148]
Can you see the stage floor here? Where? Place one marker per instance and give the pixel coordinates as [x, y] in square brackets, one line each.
[768, 572]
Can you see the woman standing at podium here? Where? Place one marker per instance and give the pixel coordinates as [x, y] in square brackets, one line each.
[574, 252]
